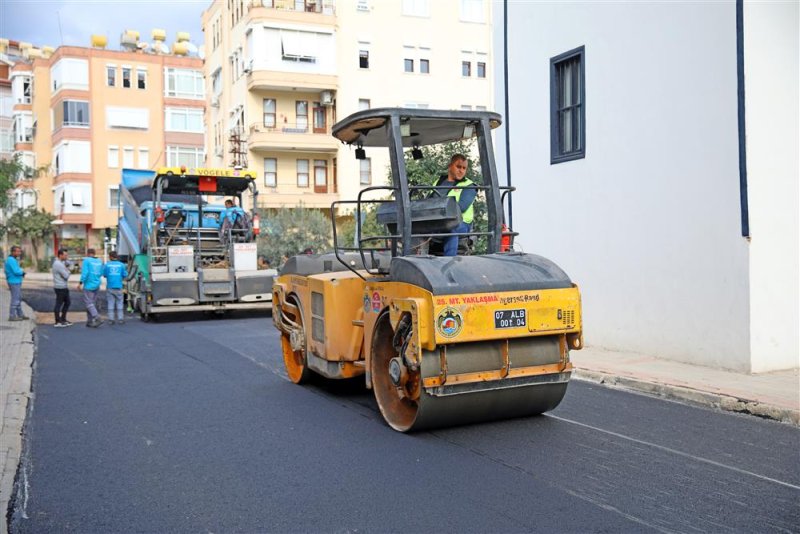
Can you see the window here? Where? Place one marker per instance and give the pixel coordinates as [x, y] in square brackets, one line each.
[113, 157]
[302, 173]
[363, 103]
[185, 83]
[320, 119]
[190, 156]
[141, 78]
[481, 70]
[363, 59]
[466, 68]
[216, 82]
[138, 118]
[424, 66]
[113, 196]
[416, 8]
[126, 76]
[480, 108]
[567, 107]
[472, 11]
[269, 112]
[408, 65]
[365, 171]
[466, 108]
[184, 120]
[299, 46]
[111, 75]
[301, 111]
[320, 176]
[75, 113]
[144, 157]
[270, 172]
[127, 157]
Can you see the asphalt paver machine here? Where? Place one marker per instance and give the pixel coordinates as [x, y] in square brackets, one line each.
[181, 254]
[440, 340]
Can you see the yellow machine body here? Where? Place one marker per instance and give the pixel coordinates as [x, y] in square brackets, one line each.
[463, 344]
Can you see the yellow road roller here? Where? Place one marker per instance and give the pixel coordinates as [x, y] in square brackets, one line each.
[440, 340]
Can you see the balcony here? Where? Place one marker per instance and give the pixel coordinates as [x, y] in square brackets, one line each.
[289, 136]
[266, 80]
[321, 7]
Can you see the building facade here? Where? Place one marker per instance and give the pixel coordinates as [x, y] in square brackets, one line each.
[85, 113]
[281, 73]
[655, 149]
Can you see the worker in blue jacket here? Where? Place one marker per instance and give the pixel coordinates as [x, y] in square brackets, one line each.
[114, 272]
[14, 276]
[91, 272]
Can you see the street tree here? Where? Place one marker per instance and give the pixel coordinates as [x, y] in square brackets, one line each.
[13, 173]
[33, 224]
[291, 231]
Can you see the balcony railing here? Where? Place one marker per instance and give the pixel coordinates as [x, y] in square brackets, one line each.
[325, 7]
[289, 128]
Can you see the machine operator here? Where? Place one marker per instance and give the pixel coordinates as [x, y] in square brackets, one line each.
[464, 195]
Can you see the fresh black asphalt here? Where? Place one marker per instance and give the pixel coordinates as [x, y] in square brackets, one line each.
[189, 425]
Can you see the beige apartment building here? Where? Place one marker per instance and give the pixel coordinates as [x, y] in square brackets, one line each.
[280, 73]
[85, 113]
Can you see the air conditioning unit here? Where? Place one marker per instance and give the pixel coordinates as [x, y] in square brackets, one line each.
[326, 98]
[218, 152]
[214, 102]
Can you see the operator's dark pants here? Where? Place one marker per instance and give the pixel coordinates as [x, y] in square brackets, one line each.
[62, 304]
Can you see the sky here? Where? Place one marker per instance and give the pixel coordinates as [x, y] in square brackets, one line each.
[37, 21]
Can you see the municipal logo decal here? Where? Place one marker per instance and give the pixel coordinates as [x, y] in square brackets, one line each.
[449, 322]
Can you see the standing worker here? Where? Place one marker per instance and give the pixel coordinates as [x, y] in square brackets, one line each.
[14, 276]
[464, 195]
[91, 271]
[114, 272]
[60, 286]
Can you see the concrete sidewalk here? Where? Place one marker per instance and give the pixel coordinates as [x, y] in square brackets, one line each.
[17, 347]
[773, 395]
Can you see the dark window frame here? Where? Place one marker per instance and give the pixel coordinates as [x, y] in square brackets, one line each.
[408, 65]
[424, 66]
[556, 154]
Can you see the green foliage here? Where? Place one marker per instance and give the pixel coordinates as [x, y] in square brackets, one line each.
[346, 230]
[11, 171]
[31, 223]
[290, 231]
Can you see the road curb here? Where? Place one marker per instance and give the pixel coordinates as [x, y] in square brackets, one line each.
[17, 399]
[693, 396]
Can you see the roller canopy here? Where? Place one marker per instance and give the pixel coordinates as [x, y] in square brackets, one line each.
[452, 275]
[426, 126]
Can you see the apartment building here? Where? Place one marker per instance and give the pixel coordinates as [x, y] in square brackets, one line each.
[85, 113]
[281, 73]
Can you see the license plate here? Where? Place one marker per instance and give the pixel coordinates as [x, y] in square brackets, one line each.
[509, 318]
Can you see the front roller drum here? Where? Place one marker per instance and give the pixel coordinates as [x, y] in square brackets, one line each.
[407, 406]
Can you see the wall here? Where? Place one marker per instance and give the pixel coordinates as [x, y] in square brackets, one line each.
[648, 223]
[771, 78]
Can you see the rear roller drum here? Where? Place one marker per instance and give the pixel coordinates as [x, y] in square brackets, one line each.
[294, 347]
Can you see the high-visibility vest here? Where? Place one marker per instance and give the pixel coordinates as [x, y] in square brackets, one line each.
[469, 213]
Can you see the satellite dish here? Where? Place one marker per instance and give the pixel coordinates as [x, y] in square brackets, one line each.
[201, 52]
[160, 48]
[142, 46]
[191, 48]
